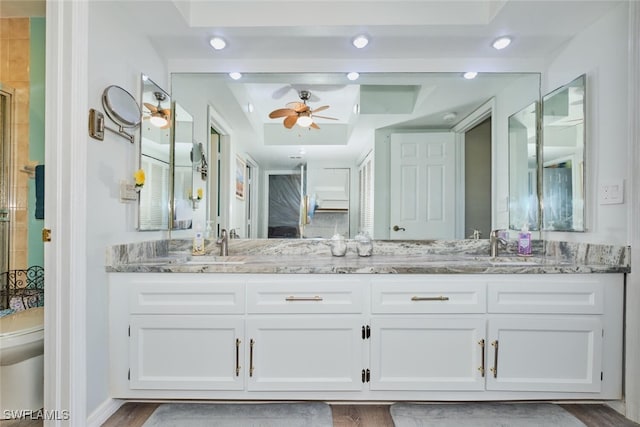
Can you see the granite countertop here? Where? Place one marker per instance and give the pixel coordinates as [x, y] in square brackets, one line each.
[405, 257]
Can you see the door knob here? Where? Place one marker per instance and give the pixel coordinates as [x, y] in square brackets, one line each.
[396, 228]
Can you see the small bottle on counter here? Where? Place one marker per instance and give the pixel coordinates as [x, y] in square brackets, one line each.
[364, 244]
[198, 241]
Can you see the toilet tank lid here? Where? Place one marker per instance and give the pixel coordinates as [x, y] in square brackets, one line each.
[22, 321]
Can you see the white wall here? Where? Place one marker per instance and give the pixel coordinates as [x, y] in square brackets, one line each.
[600, 52]
[117, 55]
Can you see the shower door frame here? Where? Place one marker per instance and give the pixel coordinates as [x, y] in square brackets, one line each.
[7, 97]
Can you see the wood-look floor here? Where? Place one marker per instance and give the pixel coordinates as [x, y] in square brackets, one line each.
[134, 414]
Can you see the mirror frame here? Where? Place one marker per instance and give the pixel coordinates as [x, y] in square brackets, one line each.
[578, 179]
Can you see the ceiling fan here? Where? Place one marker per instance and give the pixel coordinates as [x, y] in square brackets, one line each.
[300, 112]
[160, 117]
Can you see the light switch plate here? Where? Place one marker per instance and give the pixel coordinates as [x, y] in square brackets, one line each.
[128, 192]
[611, 193]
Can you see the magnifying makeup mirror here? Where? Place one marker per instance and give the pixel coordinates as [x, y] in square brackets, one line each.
[123, 109]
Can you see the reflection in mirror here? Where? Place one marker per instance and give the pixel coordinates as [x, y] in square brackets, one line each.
[523, 168]
[155, 158]
[563, 136]
[356, 123]
[185, 190]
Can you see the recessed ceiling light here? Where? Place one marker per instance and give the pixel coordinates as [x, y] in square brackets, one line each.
[353, 76]
[360, 41]
[449, 117]
[250, 107]
[235, 75]
[501, 43]
[470, 75]
[217, 43]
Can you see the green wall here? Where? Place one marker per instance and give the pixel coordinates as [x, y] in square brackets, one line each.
[36, 133]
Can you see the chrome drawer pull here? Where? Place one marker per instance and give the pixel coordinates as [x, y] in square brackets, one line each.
[292, 298]
[440, 298]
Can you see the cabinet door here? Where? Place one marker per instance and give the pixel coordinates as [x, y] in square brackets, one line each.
[562, 354]
[186, 352]
[427, 353]
[305, 354]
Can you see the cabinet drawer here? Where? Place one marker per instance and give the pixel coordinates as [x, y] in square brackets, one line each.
[186, 298]
[564, 295]
[305, 296]
[428, 295]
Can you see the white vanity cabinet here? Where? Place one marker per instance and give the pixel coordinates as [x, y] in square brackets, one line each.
[427, 333]
[185, 352]
[549, 335]
[366, 336]
[305, 333]
[183, 336]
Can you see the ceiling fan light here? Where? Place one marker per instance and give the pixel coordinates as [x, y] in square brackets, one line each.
[304, 121]
[217, 43]
[501, 43]
[469, 75]
[235, 75]
[158, 120]
[360, 41]
[353, 76]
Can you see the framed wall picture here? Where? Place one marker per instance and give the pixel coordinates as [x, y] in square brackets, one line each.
[241, 168]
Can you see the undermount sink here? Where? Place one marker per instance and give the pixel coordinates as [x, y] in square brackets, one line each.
[216, 259]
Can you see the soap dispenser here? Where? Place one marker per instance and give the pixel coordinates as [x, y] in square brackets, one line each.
[524, 241]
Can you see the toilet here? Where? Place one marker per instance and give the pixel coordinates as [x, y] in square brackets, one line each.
[22, 360]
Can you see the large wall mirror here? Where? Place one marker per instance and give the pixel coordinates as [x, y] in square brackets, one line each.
[348, 126]
[155, 157]
[563, 152]
[523, 169]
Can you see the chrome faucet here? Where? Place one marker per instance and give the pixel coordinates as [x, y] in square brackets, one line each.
[223, 241]
[495, 241]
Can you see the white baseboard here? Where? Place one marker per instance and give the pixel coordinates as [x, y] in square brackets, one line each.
[103, 412]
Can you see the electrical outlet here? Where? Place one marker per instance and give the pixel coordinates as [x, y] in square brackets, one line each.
[612, 193]
[128, 192]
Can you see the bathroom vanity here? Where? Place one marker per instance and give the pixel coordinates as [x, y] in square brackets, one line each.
[443, 327]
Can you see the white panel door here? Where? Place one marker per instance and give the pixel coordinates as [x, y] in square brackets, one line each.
[188, 352]
[422, 185]
[545, 354]
[305, 354]
[434, 353]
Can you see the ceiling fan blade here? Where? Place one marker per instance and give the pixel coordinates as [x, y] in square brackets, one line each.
[324, 107]
[298, 106]
[315, 126]
[289, 121]
[282, 112]
[151, 107]
[324, 117]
